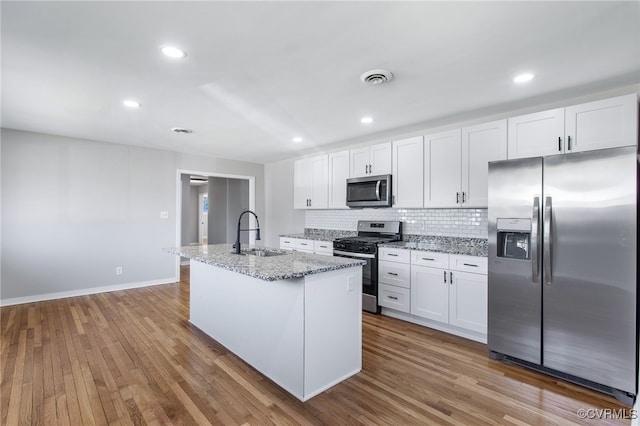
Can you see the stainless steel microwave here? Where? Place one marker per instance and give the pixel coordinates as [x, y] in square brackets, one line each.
[369, 191]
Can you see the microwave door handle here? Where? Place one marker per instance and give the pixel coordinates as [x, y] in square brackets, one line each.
[535, 228]
[378, 190]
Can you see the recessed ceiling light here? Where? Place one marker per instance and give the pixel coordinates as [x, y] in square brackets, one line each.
[297, 139]
[181, 130]
[523, 78]
[366, 120]
[130, 103]
[173, 52]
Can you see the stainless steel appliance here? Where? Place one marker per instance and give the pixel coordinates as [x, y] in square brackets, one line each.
[365, 247]
[562, 266]
[369, 191]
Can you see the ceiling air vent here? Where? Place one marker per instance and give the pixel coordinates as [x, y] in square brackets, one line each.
[181, 130]
[376, 76]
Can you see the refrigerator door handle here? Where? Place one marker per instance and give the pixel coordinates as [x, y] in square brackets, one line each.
[535, 229]
[547, 240]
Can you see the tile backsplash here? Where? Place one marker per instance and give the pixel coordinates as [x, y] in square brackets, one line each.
[470, 223]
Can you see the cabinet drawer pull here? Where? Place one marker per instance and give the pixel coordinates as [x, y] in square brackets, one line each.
[392, 273]
[428, 258]
[304, 244]
[392, 297]
[392, 254]
[323, 246]
[470, 264]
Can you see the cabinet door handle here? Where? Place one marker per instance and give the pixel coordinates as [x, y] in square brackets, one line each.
[445, 276]
[392, 273]
[463, 197]
[450, 277]
[309, 202]
[569, 143]
[559, 144]
[457, 198]
[470, 264]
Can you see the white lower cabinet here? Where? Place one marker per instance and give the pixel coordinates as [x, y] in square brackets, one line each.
[304, 245]
[323, 247]
[430, 293]
[443, 291]
[394, 297]
[468, 301]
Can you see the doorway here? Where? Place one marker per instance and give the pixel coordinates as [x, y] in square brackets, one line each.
[209, 207]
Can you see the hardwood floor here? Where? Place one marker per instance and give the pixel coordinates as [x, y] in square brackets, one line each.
[131, 357]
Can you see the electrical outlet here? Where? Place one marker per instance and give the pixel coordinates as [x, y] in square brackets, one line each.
[164, 215]
[421, 225]
[118, 270]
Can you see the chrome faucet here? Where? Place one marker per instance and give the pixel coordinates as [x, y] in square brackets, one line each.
[237, 244]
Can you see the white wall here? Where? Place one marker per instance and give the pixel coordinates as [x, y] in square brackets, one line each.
[73, 210]
[280, 216]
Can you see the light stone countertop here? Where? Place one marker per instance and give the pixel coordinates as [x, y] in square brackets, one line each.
[291, 265]
[450, 245]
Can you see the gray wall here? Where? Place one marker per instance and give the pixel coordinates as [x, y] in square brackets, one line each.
[280, 215]
[73, 210]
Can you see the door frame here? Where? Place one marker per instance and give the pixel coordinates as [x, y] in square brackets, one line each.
[252, 204]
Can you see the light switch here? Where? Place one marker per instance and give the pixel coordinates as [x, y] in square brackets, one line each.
[164, 215]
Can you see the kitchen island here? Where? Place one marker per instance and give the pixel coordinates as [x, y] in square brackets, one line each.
[295, 317]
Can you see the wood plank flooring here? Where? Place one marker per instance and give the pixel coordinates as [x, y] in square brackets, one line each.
[131, 357]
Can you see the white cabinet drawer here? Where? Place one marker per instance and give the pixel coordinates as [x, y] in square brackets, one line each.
[394, 273]
[394, 297]
[430, 258]
[474, 264]
[287, 243]
[304, 245]
[394, 255]
[323, 247]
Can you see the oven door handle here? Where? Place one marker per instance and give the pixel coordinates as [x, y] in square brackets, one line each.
[356, 255]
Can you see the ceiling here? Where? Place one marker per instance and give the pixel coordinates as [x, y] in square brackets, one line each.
[258, 74]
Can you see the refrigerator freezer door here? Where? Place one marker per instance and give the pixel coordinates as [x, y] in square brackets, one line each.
[514, 320]
[589, 302]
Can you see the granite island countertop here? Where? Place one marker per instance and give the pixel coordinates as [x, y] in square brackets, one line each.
[450, 245]
[293, 264]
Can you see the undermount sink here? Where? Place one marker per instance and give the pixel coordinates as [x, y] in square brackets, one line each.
[264, 252]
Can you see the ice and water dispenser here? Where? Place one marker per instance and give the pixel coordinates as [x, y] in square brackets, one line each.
[514, 238]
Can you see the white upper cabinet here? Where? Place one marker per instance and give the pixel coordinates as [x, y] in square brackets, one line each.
[442, 169]
[538, 134]
[310, 183]
[602, 124]
[457, 164]
[370, 160]
[408, 164]
[607, 123]
[338, 175]
[480, 144]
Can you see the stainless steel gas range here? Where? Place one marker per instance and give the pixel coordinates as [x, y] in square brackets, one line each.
[364, 246]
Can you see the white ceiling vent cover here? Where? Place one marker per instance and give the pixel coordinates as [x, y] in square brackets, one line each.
[376, 77]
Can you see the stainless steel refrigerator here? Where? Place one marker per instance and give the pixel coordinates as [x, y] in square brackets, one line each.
[562, 266]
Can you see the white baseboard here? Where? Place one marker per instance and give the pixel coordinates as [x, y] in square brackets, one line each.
[84, 292]
[467, 334]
